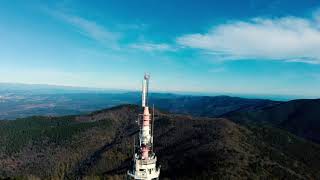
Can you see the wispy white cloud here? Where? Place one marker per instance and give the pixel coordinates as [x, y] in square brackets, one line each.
[121, 37]
[90, 29]
[290, 39]
[109, 38]
[151, 47]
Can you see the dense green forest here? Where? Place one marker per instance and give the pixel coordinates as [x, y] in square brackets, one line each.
[100, 146]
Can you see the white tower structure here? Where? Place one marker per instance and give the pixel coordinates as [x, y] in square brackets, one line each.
[145, 160]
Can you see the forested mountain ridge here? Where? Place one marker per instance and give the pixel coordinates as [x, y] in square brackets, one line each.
[99, 145]
[300, 117]
[210, 106]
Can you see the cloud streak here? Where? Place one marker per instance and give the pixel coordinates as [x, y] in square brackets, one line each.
[90, 29]
[109, 38]
[152, 47]
[290, 39]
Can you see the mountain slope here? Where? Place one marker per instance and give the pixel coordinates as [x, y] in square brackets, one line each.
[100, 145]
[210, 106]
[301, 117]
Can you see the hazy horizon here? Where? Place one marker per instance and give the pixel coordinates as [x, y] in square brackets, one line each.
[75, 89]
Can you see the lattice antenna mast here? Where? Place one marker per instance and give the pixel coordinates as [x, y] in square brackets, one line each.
[145, 160]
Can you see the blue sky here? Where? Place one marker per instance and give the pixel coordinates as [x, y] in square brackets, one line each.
[247, 47]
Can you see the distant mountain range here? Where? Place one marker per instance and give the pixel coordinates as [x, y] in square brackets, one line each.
[23, 100]
[21, 105]
[99, 145]
[300, 117]
[210, 106]
[18, 101]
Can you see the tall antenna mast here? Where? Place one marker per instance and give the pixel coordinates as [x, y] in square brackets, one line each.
[145, 160]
